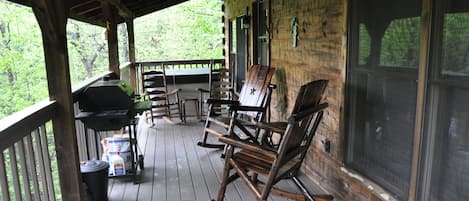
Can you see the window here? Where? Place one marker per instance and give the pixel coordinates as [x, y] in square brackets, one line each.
[445, 170]
[382, 91]
[240, 53]
[260, 39]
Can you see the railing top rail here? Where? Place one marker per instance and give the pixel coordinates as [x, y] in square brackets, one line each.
[14, 127]
[82, 86]
[177, 62]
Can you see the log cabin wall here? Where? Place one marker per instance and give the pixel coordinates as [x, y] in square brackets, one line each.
[320, 54]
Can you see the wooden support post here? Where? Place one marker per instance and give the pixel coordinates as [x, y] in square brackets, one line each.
[111, 31]
[52, 19]
[131, 36]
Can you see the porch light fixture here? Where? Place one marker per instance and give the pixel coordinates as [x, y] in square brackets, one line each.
[244, 21]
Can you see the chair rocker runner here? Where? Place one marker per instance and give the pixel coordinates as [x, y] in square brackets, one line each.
[251, 160]
[253, 102]
[164, 103]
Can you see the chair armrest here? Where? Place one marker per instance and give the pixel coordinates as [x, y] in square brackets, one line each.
[300, 115]
[323, 197]
[174, 91]
[246, 108]
[277, 127]
[202, 90]
[221, 101]
[231, 140]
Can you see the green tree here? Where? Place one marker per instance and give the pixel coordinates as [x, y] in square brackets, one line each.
[22, 73]
[87, 50]
[191, 30]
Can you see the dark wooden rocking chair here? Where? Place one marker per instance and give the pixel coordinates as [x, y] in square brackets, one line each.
[164, 103]
[249, 160]
[254, 97]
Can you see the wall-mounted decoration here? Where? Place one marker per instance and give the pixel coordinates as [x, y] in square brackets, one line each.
[294, 31]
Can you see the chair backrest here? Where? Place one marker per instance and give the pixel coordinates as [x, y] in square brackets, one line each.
[154, 79]
[255, 90]
[305, 118]
[220, 83]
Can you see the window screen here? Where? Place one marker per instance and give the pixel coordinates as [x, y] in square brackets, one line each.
[382, 88]
[446, 175]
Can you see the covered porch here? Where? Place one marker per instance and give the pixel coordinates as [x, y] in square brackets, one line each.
[395, 129]
[177, 169]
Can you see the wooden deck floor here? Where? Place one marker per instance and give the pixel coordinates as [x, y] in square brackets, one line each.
[176, 169]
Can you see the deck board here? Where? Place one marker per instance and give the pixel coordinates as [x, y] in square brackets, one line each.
[159, 175]
[176, 169]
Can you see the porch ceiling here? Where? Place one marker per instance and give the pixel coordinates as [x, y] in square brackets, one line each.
[93, 12]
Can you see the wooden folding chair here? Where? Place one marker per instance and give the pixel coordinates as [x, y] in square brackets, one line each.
[255, 97]
[249, 160]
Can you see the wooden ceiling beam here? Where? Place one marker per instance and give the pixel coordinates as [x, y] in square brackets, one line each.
[85, 11]
[122, 9]
[147, 7]
[78, 4]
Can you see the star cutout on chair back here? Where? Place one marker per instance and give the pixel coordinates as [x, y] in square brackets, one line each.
[253, 90]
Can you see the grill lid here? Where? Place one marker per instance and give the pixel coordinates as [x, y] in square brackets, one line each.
[106, 95]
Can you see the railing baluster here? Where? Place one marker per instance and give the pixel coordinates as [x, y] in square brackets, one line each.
[80, 135]
[4, 180]
[91, 144]
[24, 171]
[47, 162]
[32, 166]
[14, 173]
[41, 168]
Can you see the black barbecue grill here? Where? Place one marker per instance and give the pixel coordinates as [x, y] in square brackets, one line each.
[110, 105]
[106, 105]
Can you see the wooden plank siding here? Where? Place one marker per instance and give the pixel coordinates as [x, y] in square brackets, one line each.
[176, 169]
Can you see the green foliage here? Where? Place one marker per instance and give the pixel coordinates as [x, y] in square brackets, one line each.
[188, 31]
[455, 51]
[400, 43]
[22, 68]
[87, 50]
[191, 30]
[364, 45]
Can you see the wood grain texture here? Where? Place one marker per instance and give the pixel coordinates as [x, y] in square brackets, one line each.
[52, 19]
[177, 169]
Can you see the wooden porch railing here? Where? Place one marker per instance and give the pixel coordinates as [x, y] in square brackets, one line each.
[28, 166]
[27, 154]
[177, 68]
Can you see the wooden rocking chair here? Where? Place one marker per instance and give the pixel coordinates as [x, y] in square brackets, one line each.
[164, 103]
[254, 97]
[249, 160]
[219, 87]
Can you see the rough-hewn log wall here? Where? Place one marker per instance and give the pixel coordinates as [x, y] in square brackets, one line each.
[320, 54]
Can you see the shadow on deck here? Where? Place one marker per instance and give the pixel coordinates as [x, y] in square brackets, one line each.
[177, 169]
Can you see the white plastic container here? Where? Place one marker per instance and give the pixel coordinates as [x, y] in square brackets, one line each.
[116, 165]
[112, 145]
